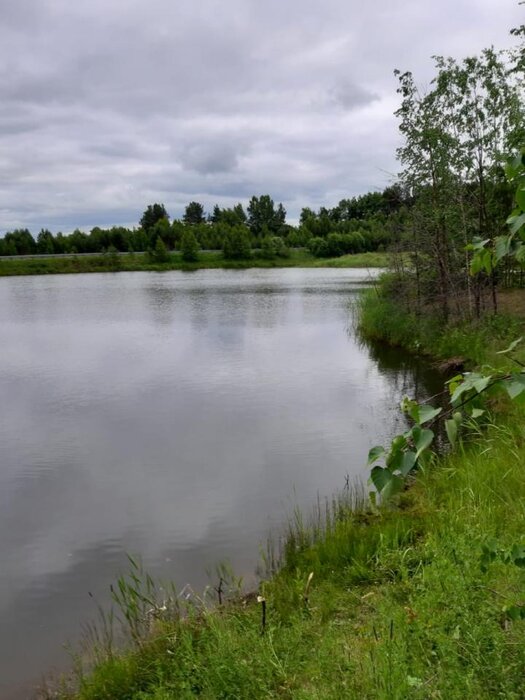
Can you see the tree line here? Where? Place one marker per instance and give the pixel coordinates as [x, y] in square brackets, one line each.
[355, 225]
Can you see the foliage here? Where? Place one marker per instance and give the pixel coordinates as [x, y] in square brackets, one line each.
[265, 220]
[455, 136]
[489, 253]
[189, 246]
[207, 259]
[273, 247]
[194, 214]
[469, 393]
[160, 253]
[153, 214]
[263, 217]
[236, 244]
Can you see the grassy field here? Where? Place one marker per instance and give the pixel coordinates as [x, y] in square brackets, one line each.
[141, 261]
[419, 599]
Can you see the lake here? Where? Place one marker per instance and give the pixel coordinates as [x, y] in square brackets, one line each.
[176, 416]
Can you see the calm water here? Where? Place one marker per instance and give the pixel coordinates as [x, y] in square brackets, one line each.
[176, 415]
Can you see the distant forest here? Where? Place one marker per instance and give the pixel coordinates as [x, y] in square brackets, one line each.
[364, 223]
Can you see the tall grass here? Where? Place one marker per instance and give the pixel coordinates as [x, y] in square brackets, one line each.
[382, 318]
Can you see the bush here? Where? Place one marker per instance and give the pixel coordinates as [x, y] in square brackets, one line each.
[318, 247]
[273, 247]
[237, 244]
[160, 253]
[189, 246]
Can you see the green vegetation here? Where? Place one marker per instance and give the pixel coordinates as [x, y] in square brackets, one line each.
[189, 246]
[456, 140]
[354, 226]
[383, 318]
[112, 262]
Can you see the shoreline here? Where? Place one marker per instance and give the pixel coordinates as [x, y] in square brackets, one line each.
[140, 262]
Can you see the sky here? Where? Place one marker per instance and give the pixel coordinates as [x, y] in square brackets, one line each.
[107, 106]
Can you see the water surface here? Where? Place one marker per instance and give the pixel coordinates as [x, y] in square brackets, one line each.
[175, 415]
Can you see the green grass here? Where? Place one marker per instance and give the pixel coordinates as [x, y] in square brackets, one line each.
[140, 261]
[383, 318]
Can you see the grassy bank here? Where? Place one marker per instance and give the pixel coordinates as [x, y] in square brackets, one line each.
[382, 318]
[419, 600]
[141, 261]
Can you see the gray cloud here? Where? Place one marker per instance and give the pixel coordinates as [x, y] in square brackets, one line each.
[109, 105]
[350, 96]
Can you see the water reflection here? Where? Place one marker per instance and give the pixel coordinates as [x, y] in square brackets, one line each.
[178, 416]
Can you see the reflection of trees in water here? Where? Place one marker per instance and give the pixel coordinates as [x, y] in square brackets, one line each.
[161, 301]
[407, 373]
[260, 307]
[410, 375]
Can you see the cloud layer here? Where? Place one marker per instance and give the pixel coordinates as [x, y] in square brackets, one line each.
[108, 106]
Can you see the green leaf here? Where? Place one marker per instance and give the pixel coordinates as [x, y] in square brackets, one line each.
[515, 386]
[386, 483]
[476, 264]
[520, 254]
[516, 222]
[513, 167]
[375, 453]
[513, 612]
[452, 431]
[422, 438]
[478, 243]
[520, 197]
[411, 407]
[477, 413]
[427, 413]
[518, 555]
[511, 346]
[502, 247]
[461, 389]
[487, 261]
[394, 458]
[408, 462]
[481, 384]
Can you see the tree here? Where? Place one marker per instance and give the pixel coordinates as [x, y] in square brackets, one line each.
[154, 212]
[161, 229]
[189, 246]
[262, 212]
[20, 241]
[160, 252]
[273, 247]
[194, 214]
[45, 242]
[236, 244]
[231, 217]
[215, 217]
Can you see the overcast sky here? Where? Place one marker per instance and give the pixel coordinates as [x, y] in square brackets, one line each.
[109, 105]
